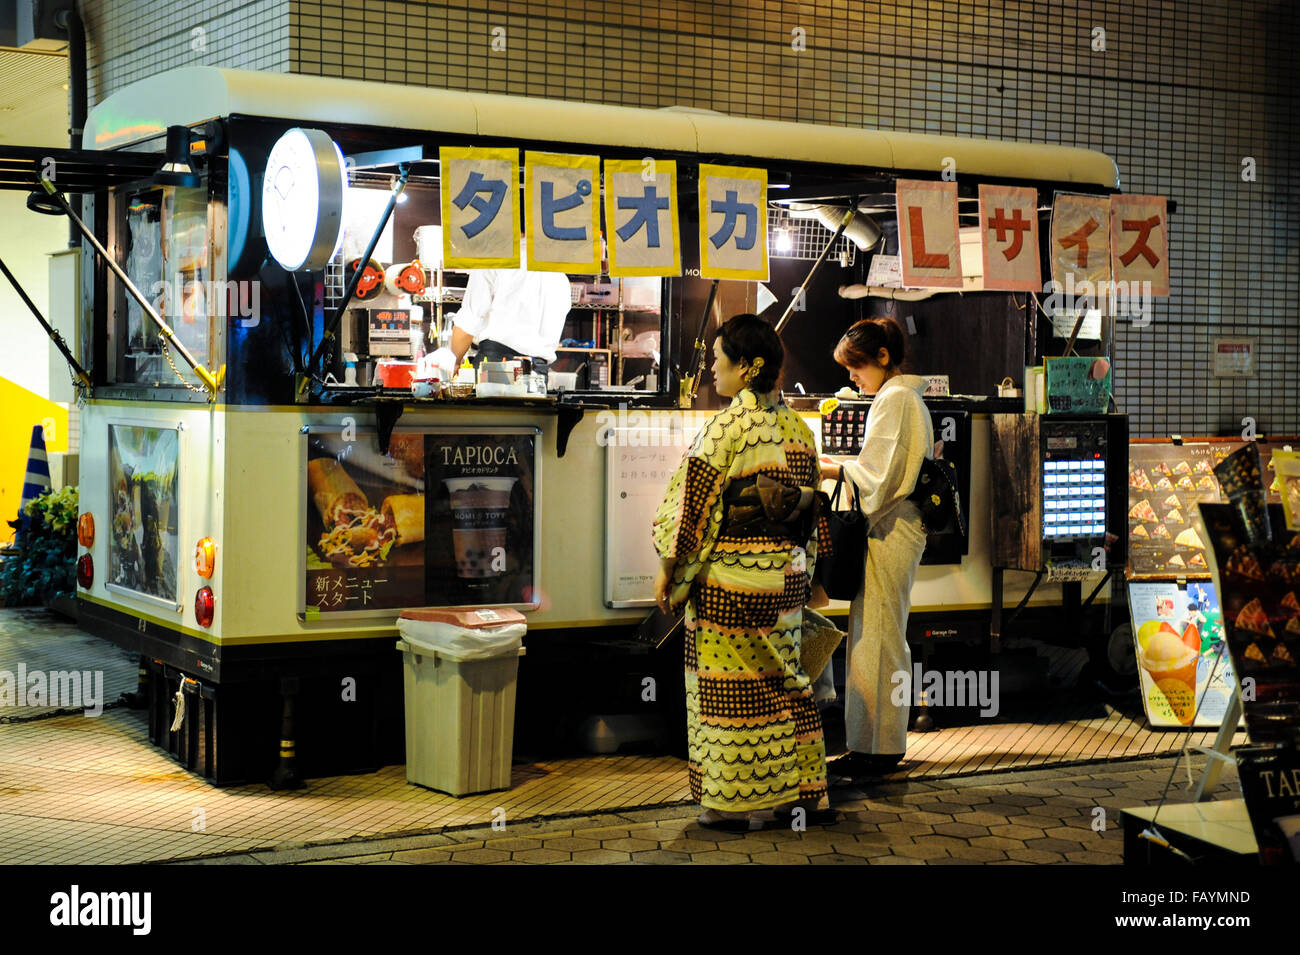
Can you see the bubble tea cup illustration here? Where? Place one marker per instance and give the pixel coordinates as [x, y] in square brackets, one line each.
[480, 510]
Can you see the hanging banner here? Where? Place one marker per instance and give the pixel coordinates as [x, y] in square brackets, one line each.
[1009, 239]
[562, 196]
[928, 236]
[1139, 242]
[480, 207]
[641, 217]
[1080, 250]
[733, 223]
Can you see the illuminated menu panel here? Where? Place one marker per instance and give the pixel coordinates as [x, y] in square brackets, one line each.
[1074, 498]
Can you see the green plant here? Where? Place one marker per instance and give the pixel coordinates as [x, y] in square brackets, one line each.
[44, 565]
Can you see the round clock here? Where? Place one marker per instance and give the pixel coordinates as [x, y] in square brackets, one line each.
[302, 199]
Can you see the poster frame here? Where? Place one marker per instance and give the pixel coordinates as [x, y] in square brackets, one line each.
[312, 614]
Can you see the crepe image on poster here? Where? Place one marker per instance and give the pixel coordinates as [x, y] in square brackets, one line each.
[1242, 563]
[1189, 538]
[1293, 625]
[1175, 516]
[1176, 561]
[1197, 560]
[1202, 467]
[1164, 484]
[1138, 480]
[1140, 531]
[1172, 501]
[1161, 468]
[1291, 602]
[143, 544]
[335, 494]
[1281, 654]
[1185, 483]
[1182, 467]
[1160, 531]
[1253, 618]
[404, 513]
[1143, 511]
[1283, 570]
[1208, 483]
[1253, 652]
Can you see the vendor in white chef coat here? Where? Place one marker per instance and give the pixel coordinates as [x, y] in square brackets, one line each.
[508, 313]
[899, 436]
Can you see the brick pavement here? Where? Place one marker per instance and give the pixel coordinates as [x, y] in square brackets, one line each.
[1044, 816]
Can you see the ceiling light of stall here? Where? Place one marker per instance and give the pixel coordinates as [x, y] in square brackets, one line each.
[783, 241]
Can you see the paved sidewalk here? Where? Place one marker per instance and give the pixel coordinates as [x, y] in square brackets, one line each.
[1031, 817]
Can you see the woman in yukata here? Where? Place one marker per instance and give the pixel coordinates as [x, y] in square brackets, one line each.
[899, 436]
[737, 539]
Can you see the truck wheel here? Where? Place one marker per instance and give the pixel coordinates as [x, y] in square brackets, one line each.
[1112, 662]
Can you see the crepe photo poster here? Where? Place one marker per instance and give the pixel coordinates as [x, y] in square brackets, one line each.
[1080, 247]
[733, 223]
[1009, 238]
[929, 240]
[1139, 243]
[480, 207]
[641, 217]
[562, 199]
[144, 512]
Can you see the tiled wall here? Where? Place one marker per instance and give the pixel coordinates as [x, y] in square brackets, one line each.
[1180, 95]
[128, 40]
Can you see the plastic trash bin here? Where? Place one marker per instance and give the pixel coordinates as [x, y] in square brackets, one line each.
[461, 668]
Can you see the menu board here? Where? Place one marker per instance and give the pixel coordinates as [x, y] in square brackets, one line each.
[1166, 482]
[444, 519]
[1073, 385]
[1184, 669]
[1260, 588]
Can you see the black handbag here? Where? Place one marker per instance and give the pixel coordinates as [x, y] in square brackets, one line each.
[937, 498]
[840, 572]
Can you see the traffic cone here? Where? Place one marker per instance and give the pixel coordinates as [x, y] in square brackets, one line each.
[37, 479]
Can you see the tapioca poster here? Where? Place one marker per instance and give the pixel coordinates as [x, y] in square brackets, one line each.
[480, 510]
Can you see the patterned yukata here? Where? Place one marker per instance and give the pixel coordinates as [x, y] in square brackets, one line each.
[754, 733]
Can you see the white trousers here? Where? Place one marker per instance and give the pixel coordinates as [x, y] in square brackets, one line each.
[877, 640]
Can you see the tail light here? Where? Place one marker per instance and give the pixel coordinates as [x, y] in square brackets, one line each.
[205, 558]
[86, 530]
[205, 606]
[85, 571]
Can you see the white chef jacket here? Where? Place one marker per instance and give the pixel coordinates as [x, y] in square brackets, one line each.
[899, 435]
[523, 310]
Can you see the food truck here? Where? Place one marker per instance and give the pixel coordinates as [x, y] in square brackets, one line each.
[267, 487]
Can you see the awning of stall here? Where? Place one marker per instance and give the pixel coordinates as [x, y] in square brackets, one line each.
[72, 170]
[193, 95]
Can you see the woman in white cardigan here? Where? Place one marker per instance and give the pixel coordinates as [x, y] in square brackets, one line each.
[899, 436]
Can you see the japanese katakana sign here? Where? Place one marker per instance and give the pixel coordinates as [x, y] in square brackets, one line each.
[733, 223]
[562, 196]
[480, 207]
[1080, 250]
[641, 217]
[929, 242]
[1139, 241]
[1009, 238]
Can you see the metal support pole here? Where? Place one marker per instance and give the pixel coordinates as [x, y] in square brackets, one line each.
[844, 223]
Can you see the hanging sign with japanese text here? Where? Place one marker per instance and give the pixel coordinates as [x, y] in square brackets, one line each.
[480, 207]
[641, 217]
[1139, 242]
[1080, 250]
[928, 238]
[733, 223]
[562, 197]
[1009, 238]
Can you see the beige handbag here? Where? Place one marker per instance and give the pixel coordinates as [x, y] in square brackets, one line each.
[818, 639]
